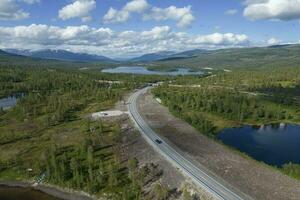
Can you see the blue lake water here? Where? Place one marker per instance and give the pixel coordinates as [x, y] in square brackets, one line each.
[10, 101]
[272, 144]
[145, 71]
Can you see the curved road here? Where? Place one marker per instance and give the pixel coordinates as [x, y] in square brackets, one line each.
[199, 176]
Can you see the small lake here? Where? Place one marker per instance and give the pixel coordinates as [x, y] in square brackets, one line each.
[10, 101]
[145, 71]
[272, 144]
[16, 193]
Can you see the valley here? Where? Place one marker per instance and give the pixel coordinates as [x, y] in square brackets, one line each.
[149, 100]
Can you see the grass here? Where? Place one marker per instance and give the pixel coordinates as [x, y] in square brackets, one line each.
[220, 122]
[67, 136]
[28, 149]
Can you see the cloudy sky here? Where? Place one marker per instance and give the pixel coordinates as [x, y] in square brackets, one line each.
[124, 28]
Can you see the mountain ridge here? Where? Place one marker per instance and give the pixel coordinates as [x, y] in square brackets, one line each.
[63, 55]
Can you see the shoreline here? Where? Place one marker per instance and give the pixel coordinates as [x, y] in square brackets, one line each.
[52, 190]
[231, 166]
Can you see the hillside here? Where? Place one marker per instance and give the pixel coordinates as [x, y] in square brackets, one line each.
[11, 59]
[62, 55]
[284, 55]
[152, 56]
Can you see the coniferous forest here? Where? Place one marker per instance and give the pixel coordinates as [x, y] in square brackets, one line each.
[48, 137]
[244, 96]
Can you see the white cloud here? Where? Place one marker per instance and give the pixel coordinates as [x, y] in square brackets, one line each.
[136, 6]
[108, 42]
[79, 8]
[115, 16]
[86, 19]
[231, 12]
[119, 16]
[10, 9]
[30, 1]
[272, 9]
[183, 16]
[222, 39]
[273, 41]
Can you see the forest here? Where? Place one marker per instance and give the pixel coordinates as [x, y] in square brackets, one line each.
[240, 97]
[232, 99]
[48, 137]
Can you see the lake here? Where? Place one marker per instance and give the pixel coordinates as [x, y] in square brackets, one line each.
[272, 144]
[145, 71]
[18, 193]
[10, 101]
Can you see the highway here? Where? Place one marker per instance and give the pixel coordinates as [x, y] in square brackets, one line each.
[198, 175]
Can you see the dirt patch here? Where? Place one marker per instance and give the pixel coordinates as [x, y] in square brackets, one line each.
[249, 176]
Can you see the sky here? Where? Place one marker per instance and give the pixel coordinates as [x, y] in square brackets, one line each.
[127, 28]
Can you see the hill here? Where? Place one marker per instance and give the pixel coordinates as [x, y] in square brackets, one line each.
[152, 56]
[62, 55]
[10, 59]
[280, 55]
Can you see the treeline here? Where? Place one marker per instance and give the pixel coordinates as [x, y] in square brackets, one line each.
[242, 96]
[56, 94]
[281, 84]
[193, 103]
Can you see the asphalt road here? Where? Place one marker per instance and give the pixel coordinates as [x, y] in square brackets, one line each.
[199, 175]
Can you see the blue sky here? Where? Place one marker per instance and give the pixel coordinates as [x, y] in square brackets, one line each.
[131, 27]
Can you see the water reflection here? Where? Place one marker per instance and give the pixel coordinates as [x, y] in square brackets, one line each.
[10, 101]
[274, 144]
[145, 71]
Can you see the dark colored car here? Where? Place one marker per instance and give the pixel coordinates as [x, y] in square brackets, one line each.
[158, 141]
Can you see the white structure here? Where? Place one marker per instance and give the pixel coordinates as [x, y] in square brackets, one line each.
[158, 100]
[111, 113]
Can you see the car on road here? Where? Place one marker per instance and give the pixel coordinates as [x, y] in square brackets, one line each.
[158, 141]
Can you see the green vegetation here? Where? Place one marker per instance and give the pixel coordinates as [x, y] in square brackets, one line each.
[257, 57]
[292, 170]
[48, 133]
[232, 99]
[261, 96]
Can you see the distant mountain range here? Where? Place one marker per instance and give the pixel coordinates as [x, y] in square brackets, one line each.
[278, 55]
[83, 57]
[252, 57]
[5, 53]
[60, 55]
[167, 55]
[152, 56]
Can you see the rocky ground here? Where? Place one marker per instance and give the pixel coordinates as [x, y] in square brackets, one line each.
[244, 174]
